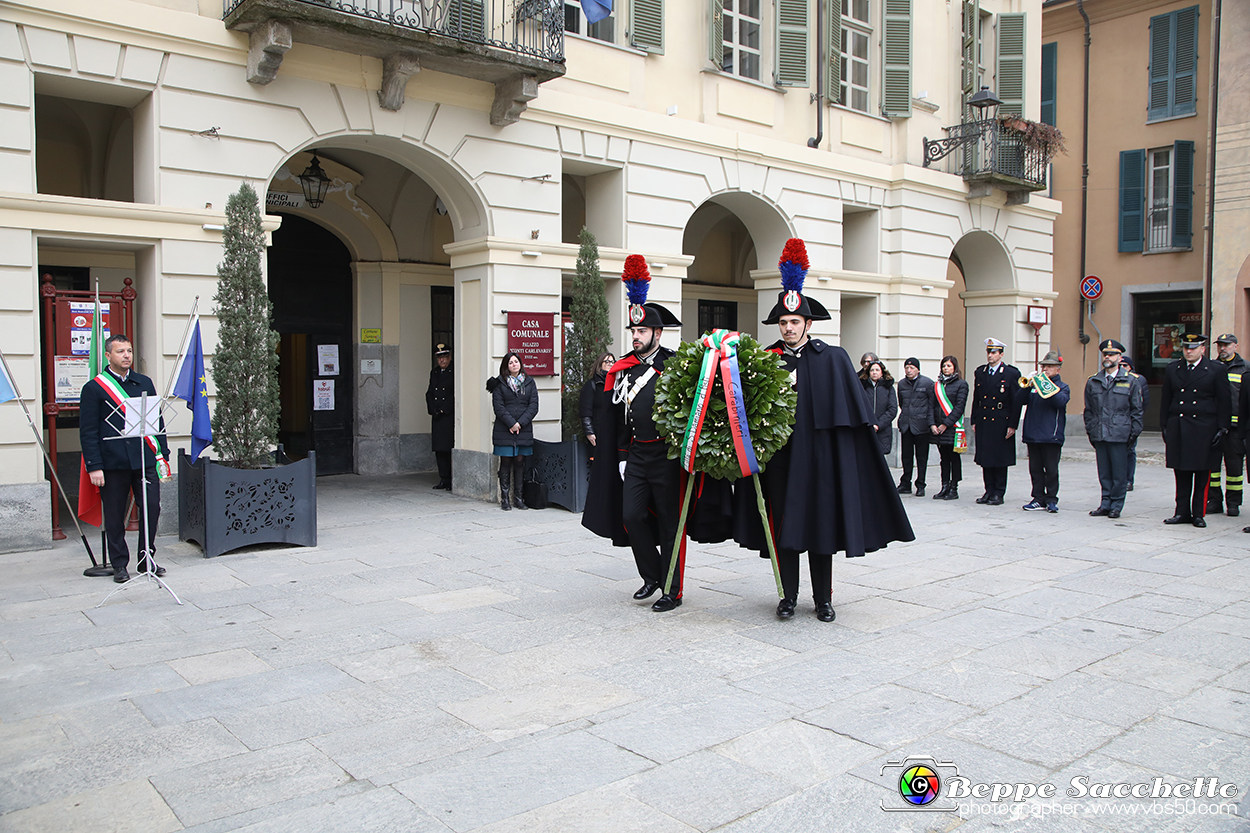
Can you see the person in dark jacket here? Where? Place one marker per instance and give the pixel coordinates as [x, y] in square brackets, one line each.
[599, 417]
[1232, 447]
[950, 397]
[1195, 408]
[1126, 362]
[440, 401]
[865, 360]
[915, 424]
[1114, 414]
[515, 400]
[120, 468]
[995, 418]
[882, 404]
[1045, 419]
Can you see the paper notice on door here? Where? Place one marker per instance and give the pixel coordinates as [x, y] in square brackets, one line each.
[327, 360]
[323, 395]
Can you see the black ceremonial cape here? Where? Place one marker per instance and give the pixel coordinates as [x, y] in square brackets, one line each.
[829, 489]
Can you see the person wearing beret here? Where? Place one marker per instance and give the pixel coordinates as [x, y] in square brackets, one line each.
[1114, 414]
[440, 402]
[1195, 409]
[995, 417]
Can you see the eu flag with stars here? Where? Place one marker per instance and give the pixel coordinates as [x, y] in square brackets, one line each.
[192, 386]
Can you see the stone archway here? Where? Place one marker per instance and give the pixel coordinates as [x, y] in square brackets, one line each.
[990, 297]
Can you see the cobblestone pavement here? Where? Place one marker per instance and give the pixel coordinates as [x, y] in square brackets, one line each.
[439, 665]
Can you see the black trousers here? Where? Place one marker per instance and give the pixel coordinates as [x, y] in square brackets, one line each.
[1191, 493]
[821, 568]
[1112, 473]
[1233, 453]
[914, 446]
[952, 464]
[995, 480]
[119, 484]
[1044, 472]
[652, 484]
[1132, 460]
[443, 458]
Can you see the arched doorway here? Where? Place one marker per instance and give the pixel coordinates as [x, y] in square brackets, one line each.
[990, 299]
[718, 292]
[310, 285]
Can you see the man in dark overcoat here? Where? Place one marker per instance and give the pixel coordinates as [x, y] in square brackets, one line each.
[651, 479]
[1195, 409]
[440, 401]
[995, 417]
[828, 489]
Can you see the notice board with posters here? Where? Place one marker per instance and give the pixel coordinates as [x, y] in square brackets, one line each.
[532, 336]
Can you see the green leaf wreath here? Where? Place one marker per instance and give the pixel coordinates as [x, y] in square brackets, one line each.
[770, 403]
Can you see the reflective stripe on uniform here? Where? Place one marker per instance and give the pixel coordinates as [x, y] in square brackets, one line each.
[1215, 479]
[1235, 482]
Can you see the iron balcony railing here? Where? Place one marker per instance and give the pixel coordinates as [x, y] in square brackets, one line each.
[988, 151]
[526, 27]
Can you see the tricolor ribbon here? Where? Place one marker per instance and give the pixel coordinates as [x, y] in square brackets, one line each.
[720, 350]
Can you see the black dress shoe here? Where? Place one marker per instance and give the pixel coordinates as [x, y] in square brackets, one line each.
[785, 608]
[1201, 523]
[824, 611]
[920, 491]
[994, 501]
[904, 490]
[120, 575]
[1113, 514]
[983, 499]
[647, 590]
[666, 602]
[160, 571]
[1233, 511]
[1100, 511]
[1129, 487]
[1178, 519]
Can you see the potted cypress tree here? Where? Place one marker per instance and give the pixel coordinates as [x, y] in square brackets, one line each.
[565, 466]
[252, 494]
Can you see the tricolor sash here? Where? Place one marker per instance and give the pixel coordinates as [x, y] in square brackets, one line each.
[720, 350]
[118, 395]
[944, 401]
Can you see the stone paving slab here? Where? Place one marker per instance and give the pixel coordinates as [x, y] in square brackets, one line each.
[437, 665]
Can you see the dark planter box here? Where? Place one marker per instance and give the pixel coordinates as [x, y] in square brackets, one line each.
[223, 508]
[565, 469]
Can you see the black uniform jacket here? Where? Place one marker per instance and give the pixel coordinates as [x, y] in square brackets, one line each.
[1193, 405]
[440, 401]
[829, 489]
[995, 408]
[98, 420]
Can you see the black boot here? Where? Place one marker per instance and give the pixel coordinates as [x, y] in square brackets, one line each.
[952, 493]
[942, 492]
[517, 468]
[503, 492]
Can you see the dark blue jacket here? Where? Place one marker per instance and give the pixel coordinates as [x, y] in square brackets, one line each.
[98, 420]
[1046, 419]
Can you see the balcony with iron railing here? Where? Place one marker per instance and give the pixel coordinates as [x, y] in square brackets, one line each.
[514, 44]
[993, 153]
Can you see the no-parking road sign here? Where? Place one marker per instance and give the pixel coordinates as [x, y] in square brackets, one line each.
[1091, 288]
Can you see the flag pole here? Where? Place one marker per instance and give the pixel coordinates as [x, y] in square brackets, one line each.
[182, 351]
[51, 465]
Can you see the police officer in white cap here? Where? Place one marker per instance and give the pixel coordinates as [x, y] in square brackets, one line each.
[995, 418]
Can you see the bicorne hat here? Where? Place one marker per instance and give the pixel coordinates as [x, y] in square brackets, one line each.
[637, 280]
[791, 300]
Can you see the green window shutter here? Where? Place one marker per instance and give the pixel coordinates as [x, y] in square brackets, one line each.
[833, 68]
[970, 58]
[1010, 73]
[646, 25]
[1185, 62]
[896, 49]
[1160, 67]
[1050, 54]
[1183, 195]
[1132, 199]
[792, 43]
[716, 33]
[467, 20]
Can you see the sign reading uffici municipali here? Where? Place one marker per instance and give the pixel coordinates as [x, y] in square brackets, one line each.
[531, 335]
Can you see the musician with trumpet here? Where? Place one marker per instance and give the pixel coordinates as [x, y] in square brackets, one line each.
[1114, 412]
[1045, 398]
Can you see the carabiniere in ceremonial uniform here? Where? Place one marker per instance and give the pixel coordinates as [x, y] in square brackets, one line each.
[1195, 408]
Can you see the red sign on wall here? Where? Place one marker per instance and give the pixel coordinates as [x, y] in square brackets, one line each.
[531, 335]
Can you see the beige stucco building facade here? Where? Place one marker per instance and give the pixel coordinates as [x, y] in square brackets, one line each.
[458, 191]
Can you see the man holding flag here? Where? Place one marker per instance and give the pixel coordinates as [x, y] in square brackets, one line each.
[118, 467]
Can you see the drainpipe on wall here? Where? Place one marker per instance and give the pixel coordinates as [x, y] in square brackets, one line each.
[1209, 283]
[814, 142]
[1084, 337]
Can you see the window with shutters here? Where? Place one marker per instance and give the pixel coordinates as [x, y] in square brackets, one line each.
[1050, 67]
[1159, 199]
[740, 38]
[1173, 73]
[1156, 199]
[575, 23]
[854, 45]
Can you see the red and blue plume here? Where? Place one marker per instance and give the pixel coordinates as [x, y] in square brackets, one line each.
[637, 279]
[793, 265]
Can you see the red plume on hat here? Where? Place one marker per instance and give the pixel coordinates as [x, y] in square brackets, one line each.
[793, 265]
[637, 279]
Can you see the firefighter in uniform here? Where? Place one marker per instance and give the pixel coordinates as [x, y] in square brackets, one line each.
[995, 417]
[651, 479]
[1233, 447]
[1195, 408]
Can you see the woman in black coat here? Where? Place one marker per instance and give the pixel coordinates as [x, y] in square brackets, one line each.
[882, 403]
[956, 390]
[515, 400]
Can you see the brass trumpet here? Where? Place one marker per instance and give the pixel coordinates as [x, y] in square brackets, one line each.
[1041, 383]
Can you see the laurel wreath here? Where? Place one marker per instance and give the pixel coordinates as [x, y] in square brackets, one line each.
[770, 404]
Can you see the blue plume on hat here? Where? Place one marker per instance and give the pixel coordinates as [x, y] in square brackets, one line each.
[637, 279]
[793, 265]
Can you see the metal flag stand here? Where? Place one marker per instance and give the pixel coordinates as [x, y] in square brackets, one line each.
[143, 429]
